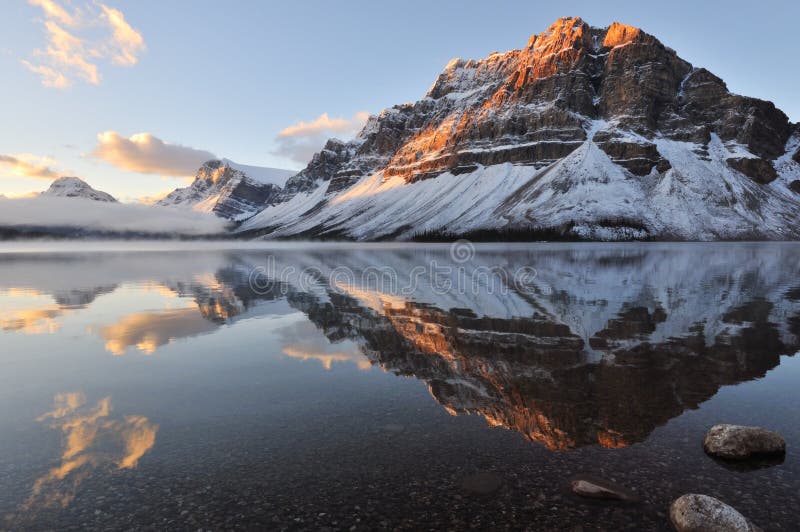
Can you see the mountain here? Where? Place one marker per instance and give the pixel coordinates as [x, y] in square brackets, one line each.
[229, 190]
[587, 133]
[262, 174]
[73, 187]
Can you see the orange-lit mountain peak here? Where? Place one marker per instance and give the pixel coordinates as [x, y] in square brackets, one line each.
[618, 34]
[566, 32]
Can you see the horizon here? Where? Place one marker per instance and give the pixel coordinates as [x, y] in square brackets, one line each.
[146, 147]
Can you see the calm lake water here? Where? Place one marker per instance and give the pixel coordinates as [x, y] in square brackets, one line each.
[397, 386]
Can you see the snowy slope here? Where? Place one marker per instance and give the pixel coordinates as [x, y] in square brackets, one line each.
[586, 185]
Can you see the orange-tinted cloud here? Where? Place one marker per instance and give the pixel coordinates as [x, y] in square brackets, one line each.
[327, 359]
[73, 51]
[148, 331]
[148, 154]
[28, 166]
[301, 140]
[93, 441]
[126, 43]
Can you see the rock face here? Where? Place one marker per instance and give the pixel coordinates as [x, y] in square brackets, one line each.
[736, 442]
[225, 190]
[73, 187]
[604, 133]
[701, 513]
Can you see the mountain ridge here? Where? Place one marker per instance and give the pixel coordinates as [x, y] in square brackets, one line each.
[581, 126]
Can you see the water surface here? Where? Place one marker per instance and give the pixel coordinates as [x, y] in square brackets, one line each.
[311, 386]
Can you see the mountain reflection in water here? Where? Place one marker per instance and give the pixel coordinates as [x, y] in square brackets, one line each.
[600, 346]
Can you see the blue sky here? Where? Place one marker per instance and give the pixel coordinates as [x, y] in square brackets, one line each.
[228, 77]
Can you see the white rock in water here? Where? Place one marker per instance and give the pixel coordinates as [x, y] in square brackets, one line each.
[737, 442]
[701, 513]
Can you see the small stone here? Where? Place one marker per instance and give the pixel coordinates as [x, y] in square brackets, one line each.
[737, 442]
[701, 513]
[481, 483]
[594, 488]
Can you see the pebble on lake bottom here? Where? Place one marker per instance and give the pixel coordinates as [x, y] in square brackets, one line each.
[482, 483]
[595, 488]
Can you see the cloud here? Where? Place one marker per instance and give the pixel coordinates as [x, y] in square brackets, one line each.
[78, 41]
[50, 77]
[150, 330]
[126, 42]
[147, 154]
[92, 441]
[102, 216]
[151, 199]
[29, 166]
[54, 11]
[300, 141]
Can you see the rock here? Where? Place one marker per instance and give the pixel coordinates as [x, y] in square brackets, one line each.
[796, 156]
[482, 483]
[701, 513]
[758, 170]
[594, 488]
[737, 442]
[794, 186]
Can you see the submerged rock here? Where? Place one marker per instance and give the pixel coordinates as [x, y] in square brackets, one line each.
[594, 488]
[737, 442]
[482, 483]
[701, 513]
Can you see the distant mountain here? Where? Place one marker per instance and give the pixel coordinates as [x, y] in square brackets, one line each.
[588, 133]
[229, 190]
[73, 187]
[262, 174]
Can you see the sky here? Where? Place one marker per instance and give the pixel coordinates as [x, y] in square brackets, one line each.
[130, 94]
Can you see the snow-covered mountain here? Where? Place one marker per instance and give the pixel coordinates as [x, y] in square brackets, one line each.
[229, 190]
[584, 133]
[73, 187]
[262, 174]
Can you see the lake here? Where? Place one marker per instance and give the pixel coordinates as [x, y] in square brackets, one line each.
[320, 386]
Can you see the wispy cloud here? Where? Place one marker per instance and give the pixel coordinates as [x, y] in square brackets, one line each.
[126, 43]
[148, 154]
[26, 165]
[301, 140]
[79, 40]
[92, 440]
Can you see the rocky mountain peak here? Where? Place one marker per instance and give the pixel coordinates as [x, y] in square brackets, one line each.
[620, 34]
[74, 187]
[221, 188]
[215, 171]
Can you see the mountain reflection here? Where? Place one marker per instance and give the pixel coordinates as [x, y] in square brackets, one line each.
[601, 346]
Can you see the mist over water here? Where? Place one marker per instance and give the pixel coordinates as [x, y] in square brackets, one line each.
[178, 385]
